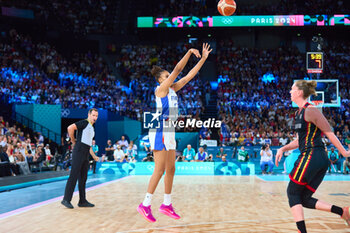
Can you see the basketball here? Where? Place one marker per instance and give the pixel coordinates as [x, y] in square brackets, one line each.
[227, 7]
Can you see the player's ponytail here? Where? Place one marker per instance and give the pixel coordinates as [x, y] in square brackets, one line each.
[156, 72]
[308, 87]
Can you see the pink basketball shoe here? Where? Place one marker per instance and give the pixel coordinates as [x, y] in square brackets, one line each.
[146, 212]
[169, 211]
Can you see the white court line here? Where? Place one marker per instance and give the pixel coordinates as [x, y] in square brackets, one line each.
[213, 223]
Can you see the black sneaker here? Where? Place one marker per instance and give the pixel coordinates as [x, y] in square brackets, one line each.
[67, 204]
[86, 204]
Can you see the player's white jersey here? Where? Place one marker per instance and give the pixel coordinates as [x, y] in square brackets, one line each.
[165, 137]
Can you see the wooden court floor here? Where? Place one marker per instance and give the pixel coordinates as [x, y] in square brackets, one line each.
[206, 204]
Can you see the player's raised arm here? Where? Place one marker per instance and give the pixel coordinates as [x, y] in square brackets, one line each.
[165, 79]
[313, 115]
[182, 82]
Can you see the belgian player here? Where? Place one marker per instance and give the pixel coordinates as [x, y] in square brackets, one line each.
[312, 163]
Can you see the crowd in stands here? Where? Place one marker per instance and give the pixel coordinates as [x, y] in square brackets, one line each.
[86, 16]
[80, 17]
[85, 81]
[21, 152]
[120, 151]
[253, 111]
[252, 108]
[174, 8]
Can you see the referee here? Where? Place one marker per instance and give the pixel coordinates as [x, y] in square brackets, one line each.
[80, 158]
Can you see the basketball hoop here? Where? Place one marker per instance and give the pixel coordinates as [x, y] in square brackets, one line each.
[318, 104]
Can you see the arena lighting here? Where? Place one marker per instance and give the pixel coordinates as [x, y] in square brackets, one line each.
[223, 79]
[243, 21]
[214, 85]
[269, 78]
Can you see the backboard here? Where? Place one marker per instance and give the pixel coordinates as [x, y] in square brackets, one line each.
[327, 93]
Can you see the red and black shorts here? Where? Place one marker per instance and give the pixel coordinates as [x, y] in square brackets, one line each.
[310, 168]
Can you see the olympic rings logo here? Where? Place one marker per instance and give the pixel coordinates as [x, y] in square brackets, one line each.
[150, 167]
[226, 20]
[65, 112]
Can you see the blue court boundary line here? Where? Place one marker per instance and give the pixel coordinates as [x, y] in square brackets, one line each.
[39, 204]
[33, 183]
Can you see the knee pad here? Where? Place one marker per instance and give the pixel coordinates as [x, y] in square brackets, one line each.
[307, 200]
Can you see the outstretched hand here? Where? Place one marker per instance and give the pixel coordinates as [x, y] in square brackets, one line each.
[196, 53]
[206, 50]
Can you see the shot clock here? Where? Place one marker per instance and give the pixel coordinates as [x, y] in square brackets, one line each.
[314, 62]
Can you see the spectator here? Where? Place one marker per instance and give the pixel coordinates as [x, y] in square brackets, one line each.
[119, 154]
[346, 164]
[241, 139]
[283, 140]
[115, 145]
[201, 155]
[248, 141]
[109, 151]
[223, 158]
[5, 169]
[134, 148]
[347, 141]
[221, 153]
[95, 147]
[266, 159]
[130, 152]
[243, 155]
[4, 159]
[264, 140]
[91, 159]
[189, 154]
[346, 131]
[179, 157]
[38, 158]
[148, 158]
[48, 154]
[334, 160]
[40, 138]
[123, 143]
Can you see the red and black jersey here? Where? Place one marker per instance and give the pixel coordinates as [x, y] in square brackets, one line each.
[309, 134]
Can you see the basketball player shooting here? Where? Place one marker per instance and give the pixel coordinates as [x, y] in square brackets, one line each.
[312, 164]
[162, 140]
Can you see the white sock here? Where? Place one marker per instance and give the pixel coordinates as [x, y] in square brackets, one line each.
[167, 199]
[148, 199]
